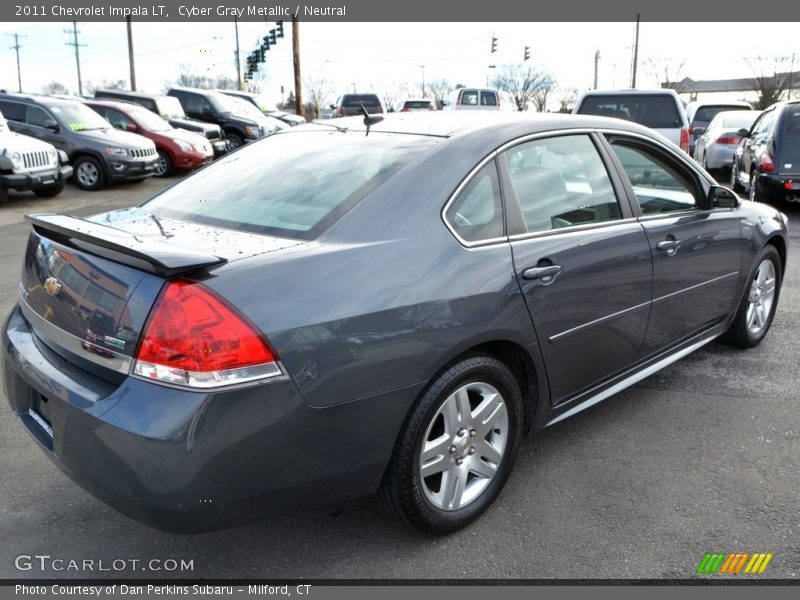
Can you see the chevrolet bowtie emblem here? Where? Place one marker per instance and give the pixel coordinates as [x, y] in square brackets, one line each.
[51, 286]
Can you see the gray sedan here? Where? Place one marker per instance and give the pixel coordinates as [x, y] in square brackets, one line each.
[376, 306]
[716, 146]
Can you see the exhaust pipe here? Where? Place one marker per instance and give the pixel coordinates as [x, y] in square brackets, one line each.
[793, 198]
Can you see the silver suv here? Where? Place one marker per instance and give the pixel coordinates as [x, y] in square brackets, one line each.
[28, 164]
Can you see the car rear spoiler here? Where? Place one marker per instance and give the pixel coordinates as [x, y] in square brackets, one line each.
[140, 252]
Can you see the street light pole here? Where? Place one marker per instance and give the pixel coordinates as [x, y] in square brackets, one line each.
[596, 62]
[423, 79]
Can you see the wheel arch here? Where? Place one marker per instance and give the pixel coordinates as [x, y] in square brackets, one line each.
[77, 154]
[780, 245]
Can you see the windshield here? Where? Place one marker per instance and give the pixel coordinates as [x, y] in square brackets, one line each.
[149, 120]
[169, 106]
[289, 184]
[77, 117]
[224, 103]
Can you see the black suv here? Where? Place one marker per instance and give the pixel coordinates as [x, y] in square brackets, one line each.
[170, 109]
[239, 123]
[767, 161]
[350, 104]
[99, 153]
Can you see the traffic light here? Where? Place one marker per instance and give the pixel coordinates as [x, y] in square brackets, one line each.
[279, 25]
[261, 55]
[272, 37]
[265, 45]
[527, 53]
[494, 44]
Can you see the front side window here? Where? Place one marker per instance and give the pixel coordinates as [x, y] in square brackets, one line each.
[477, 213]
[660, 185]
[37, 116]
[561, 182]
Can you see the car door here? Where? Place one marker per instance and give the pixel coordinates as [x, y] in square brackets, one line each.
[581, 260]
[39, 124]
[696, 248]
[755, 143]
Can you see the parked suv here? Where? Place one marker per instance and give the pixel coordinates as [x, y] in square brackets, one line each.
[767, 160]
[177, 149]
[472, 99]
[99, 153]
[28, 164]
[700, 114]
[239, 125]
[349, 105]
[660, 110]
[170, 109]
[266, 107]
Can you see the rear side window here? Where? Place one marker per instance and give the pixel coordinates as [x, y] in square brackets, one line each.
[652, 110]
[13, 111]
[469, 97]
[290, 185]
[488, 99]
[477, 212]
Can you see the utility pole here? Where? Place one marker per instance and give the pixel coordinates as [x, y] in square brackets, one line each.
[635, 54]
[298, 86]
[596, 63]
[75, 43]
[130, 54]
[423, 79]
[16, 47]
[238, 66]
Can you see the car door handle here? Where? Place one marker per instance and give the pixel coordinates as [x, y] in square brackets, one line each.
[543, 274]
[669, 245]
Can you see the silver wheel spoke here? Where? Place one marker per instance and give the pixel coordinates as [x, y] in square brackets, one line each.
[464, 409]
[486, 450]
[482, 469]
[450, 413]
[493, 416]
[434, 456]
[453, 484]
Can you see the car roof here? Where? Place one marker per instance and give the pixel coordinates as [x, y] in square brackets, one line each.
[122, 106]
[450, 124]
[632, 92]
[40, 98]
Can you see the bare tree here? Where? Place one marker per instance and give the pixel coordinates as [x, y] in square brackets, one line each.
[525, 83]
[666, 73]
[774, 78]
[54, 87]
[438, 88]
[317, 90]
[223, 82]
[567, 99]
[390, 95]
[105, 84]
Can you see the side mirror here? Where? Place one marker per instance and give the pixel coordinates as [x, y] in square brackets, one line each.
[132, 128]
[720, 197]
[743, 132]
[331, 106]
[699, 130]
[50, 124]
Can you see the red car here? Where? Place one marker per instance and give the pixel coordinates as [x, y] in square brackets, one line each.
[178, 149]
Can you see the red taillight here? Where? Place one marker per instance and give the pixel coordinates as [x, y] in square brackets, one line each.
[685, 139]
[765, 164]
[340, 112]
[404, 109]
[727, 140]
[194, 338]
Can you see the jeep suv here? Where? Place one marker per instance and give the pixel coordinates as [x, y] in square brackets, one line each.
[28, 164]
[170, 109]
[239, 124]
[99, 153]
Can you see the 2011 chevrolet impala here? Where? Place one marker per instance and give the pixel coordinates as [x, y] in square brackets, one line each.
[374, 306]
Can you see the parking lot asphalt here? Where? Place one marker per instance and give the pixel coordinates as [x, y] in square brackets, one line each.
[700, 457]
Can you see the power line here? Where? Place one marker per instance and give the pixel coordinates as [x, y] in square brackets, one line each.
[16, 47]
[75, 43]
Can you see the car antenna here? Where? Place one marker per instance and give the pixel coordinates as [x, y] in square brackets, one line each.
[369, 120]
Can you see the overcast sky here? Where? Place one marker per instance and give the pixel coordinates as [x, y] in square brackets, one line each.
[373, 56]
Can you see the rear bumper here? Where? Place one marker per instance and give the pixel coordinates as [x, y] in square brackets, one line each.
[195, 461]
[220, 147]
[778, 187]
[26, 181]
[719, 156]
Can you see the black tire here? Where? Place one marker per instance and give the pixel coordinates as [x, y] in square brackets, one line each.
[49, 191]
[748, 329]
[234, 141]
[407, 494]
[88, 173]
[164, 165]
[735, 185]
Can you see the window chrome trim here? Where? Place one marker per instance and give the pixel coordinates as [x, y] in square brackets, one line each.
[119, 362]
[571, 228]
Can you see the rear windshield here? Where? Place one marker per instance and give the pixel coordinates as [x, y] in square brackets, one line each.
[409, 104]
[365, 99]
[656, 111]
[704, 114]
[293, 184]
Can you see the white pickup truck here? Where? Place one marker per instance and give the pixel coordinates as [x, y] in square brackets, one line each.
[29, 164]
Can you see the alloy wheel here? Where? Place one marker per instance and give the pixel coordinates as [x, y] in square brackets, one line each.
[761, 298]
